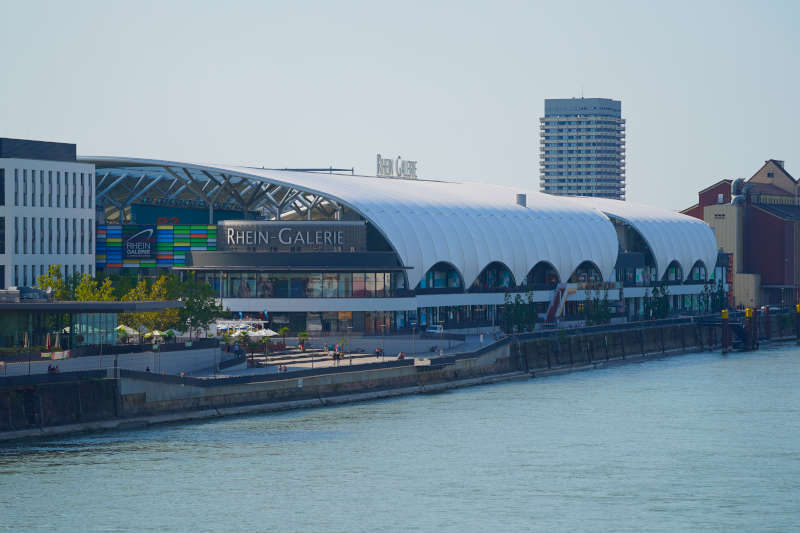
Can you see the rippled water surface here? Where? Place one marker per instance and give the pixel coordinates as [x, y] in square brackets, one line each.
[698, 442]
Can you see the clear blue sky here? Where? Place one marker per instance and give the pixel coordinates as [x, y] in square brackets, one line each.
[709, 89]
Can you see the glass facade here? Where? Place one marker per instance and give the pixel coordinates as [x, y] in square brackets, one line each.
[303, 284]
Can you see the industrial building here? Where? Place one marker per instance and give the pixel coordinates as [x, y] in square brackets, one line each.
[757, 221]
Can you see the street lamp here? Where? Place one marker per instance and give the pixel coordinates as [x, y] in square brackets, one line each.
[349, 350]
[383, 342]
[413, 338]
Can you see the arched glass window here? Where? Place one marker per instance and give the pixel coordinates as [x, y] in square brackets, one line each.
[442, 276]
[673, 273]
[698, 274]
[496, 275]
[587, 272]
[543, 275]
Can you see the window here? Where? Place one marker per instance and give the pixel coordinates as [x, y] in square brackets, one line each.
[2, 237]
[16, 275]
[58, 189]
[50, 235]
[66, 189]
[83, 236]
[24, 187]
[82, 271]
[33, 235]
[74, 236]
[91, 191]
[74, 189]
[66, 236]
[16, 186]
[24, 235]
[41, 235]
[83, 192]
[2, 186]
[24, 275]
[50, 188]
[58, 235]
[33, 188]
[91, 233]
[41, 188]
[16, 235]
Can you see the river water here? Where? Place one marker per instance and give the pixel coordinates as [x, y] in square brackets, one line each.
[692, 443]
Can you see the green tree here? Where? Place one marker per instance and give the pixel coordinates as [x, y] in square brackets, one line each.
[162, 290]
[54, 281]
[508, 314]
[200, 307]
[137, 293]
[283, 332]
[656, 302]
[89, 290]
[120, 284]
[244, 342]
[596, 309]
[302, 337]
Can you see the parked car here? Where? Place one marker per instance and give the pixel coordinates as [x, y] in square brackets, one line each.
[436, 329]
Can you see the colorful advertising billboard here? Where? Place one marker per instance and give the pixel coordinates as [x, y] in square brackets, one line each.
[150, 246]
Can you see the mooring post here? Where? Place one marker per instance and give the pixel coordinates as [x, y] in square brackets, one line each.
[725, 331]
[755, 329]
[710, 338]
[748, 328]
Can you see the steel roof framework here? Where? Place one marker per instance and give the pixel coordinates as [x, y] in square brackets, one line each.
[185, 186]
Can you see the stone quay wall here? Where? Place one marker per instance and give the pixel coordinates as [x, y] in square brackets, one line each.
[85, 401]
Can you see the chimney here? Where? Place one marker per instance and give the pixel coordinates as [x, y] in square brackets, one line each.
[522, 200]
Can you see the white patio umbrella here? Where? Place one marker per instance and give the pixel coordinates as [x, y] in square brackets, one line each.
[262, 333]
[125, 329]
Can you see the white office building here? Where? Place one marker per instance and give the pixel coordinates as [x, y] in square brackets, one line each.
[47, 212]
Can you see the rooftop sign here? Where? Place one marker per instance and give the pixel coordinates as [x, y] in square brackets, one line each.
[396, 168]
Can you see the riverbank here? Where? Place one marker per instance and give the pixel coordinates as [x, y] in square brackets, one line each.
[57, 405]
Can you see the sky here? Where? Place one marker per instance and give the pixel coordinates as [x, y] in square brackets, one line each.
[708, 89]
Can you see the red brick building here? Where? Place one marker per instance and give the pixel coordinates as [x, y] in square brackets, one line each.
[758, 222]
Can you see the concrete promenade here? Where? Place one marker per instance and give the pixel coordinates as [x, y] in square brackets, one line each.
[202, 362]
[189, 361]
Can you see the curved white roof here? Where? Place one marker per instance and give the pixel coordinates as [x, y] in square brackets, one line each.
[671, 236]
[470, 225]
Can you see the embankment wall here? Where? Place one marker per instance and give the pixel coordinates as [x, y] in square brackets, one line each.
[142, 394]
[98, 399]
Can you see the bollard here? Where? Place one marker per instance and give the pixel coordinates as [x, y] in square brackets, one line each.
[755, 329]
[725, 331]
[748, 327]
